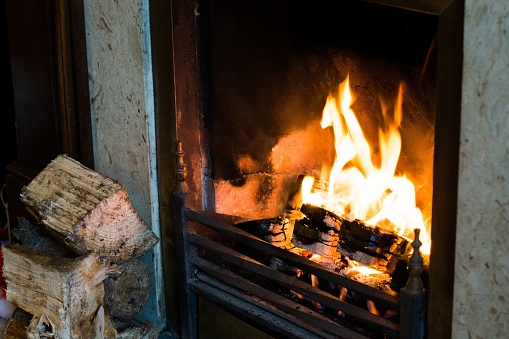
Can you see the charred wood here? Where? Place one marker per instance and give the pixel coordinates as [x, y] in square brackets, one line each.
[319, 224]
[371, 246]
[276, 231]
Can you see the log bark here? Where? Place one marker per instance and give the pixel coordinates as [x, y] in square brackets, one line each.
[277, 231]
[127, 292]
[38, 238]
[89, 212]
[134, 330]
[17, 325]
[65, 296]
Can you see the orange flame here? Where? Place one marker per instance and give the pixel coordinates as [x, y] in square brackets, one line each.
[357, 188]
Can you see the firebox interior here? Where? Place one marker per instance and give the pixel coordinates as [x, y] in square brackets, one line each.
[268, 66]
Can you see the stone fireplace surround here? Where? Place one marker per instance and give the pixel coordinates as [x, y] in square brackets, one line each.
[480, 275]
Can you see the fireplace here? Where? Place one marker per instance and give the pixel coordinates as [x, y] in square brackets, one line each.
[251, 78]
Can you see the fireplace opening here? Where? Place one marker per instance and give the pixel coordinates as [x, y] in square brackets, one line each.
[265, 72]
[267, 69]
[270, 67]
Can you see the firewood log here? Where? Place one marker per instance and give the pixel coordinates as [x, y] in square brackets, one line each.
[134, 330]
[318, 231]
[64, 295]
[89, 212]
[17, 325]
[371, 246]
[126, 293]
[276, 231]
[38, 238]
[20, 322]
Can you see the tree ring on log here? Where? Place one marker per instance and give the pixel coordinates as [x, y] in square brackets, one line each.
[126, 294]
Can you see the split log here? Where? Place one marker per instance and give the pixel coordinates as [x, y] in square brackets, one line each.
[371, 246]
[66, 296]
[276, 231]
[126, 293]
[318, 231]
[89, 212]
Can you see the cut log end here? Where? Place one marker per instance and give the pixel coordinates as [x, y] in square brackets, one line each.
[127, 293]
[89, 212]
[113, 230]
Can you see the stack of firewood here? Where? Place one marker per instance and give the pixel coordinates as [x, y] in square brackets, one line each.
[76, 272]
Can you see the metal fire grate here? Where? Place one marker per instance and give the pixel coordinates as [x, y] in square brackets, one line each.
[223, 264]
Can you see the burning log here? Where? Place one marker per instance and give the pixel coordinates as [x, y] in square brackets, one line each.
[322, 232]
[276, 231]
[89, 212]
[65, 295]
[370, 246]
[318, 230]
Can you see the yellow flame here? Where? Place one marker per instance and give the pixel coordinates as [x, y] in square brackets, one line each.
[357, 189]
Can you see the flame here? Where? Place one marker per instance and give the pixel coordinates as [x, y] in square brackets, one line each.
[357, 188]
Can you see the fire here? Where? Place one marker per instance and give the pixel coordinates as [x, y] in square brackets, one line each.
[357, 188]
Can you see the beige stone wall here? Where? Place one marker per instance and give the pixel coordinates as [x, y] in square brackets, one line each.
[122, 115]
[117, 93]
[481, 292]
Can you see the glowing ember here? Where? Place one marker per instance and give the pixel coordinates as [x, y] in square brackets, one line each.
[357, 188]
[363, 270]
